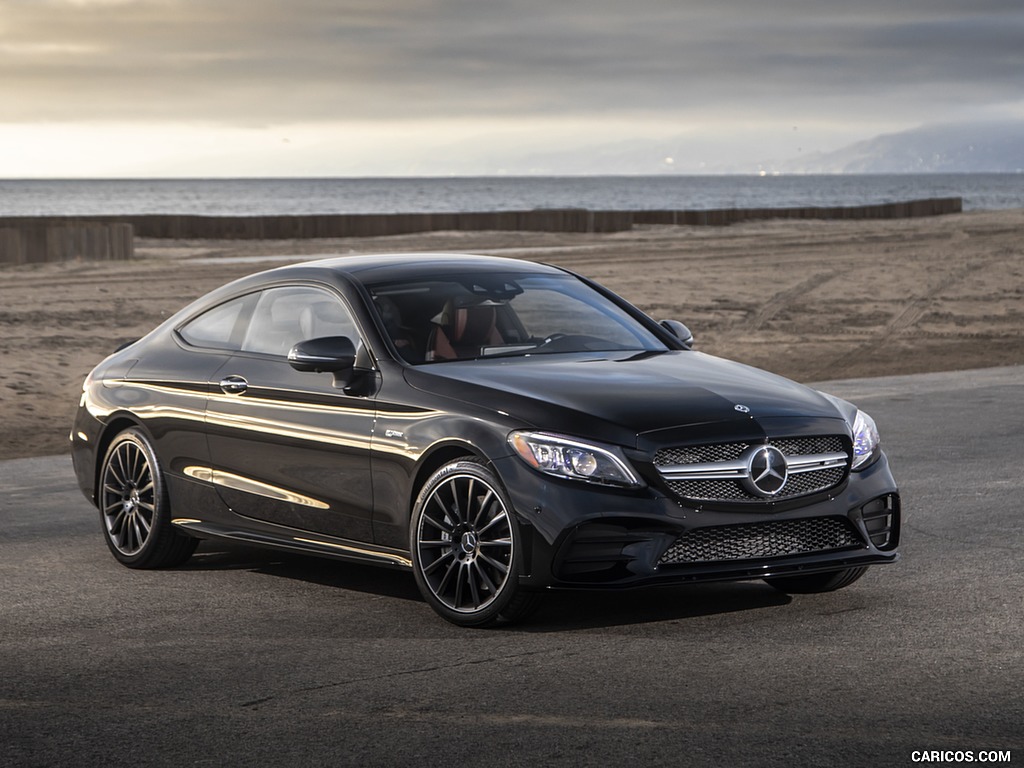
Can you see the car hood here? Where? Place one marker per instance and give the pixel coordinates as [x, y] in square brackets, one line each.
[634, 393]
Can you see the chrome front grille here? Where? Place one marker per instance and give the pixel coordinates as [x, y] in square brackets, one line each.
[700, 454]
[711, 490]
[756, 541]
[721, 472]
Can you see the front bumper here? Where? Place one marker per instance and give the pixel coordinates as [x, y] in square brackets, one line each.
[579, 536]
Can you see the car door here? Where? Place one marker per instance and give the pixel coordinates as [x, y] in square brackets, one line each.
[286, 447]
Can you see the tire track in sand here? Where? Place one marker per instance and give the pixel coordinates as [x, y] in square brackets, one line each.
[780, 300]
[915, 309]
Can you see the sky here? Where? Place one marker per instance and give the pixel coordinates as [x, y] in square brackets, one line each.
[137, 88]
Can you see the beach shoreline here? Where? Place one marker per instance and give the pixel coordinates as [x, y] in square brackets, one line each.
[812, 300]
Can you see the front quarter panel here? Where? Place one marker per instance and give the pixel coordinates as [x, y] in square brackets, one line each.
[415, 433]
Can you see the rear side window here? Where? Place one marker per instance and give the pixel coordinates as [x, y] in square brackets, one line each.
[219, 328]
[285, 316]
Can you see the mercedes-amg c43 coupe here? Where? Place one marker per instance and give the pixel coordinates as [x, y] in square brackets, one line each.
[498, 427]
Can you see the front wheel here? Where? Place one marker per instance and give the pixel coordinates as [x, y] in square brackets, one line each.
[134, 507]
[466, 547]
[817, 582]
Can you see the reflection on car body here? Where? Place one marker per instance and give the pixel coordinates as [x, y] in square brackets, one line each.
[498, 427]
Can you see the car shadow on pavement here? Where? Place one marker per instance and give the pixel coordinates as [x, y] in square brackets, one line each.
[368, 579]
[560, 610]
[564, 610]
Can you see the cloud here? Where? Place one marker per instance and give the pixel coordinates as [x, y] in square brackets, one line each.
[254, 60]
[660, 66]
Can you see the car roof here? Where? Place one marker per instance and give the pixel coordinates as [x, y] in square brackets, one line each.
[377, 268]
[390, 266]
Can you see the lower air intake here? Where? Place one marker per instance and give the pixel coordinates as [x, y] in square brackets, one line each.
[756, 541]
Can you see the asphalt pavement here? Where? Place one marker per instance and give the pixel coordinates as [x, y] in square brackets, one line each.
[248, 657]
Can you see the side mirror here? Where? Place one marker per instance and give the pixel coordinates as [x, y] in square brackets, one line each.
[330, 354]
[680, 331]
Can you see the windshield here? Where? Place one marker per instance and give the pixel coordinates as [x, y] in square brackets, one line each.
[465, 317]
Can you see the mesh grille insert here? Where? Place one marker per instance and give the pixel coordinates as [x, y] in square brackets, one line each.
[755, 541]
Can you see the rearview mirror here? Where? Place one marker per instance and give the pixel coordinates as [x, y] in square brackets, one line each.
[680, 331]
[329, 354]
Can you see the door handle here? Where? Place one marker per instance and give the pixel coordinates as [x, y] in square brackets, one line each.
[233, 385]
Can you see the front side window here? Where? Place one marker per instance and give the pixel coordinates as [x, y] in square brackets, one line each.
[285, 316]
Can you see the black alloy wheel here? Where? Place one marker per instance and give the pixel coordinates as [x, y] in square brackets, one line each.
[134, 508]
[466, 547]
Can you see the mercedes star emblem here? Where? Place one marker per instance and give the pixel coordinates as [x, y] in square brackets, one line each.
[767, 471]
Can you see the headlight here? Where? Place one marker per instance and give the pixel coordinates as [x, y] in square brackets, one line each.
[865, 440]
[572, 459]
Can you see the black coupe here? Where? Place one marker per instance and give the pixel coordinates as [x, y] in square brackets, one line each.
[498, 427]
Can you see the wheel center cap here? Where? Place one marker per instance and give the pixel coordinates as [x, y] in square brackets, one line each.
[131, 502]
[469, 542]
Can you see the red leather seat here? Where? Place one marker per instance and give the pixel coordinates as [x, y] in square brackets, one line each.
[462, 332]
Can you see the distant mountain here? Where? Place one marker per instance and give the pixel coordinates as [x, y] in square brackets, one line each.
[949, 148]
[996, 147]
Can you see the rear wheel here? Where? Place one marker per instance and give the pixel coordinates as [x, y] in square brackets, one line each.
[134, 509]
[466, 547]
[817, 582]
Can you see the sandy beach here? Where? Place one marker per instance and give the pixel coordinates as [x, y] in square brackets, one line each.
[812, 300]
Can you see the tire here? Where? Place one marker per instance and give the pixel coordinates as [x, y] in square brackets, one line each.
[522, 606]
[466, 547]
[135, 513]
[817, 582]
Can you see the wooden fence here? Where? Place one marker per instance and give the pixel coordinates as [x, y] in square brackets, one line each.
[32, 239]
[191, 227]
[725, 216]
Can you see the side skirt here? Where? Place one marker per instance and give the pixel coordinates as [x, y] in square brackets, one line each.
[307, 543]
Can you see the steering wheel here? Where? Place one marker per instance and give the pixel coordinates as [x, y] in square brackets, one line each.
[553, 338]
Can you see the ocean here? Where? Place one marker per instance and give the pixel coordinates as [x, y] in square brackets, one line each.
[432, 195]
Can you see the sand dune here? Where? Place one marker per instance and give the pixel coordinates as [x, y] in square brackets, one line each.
[809, 299]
